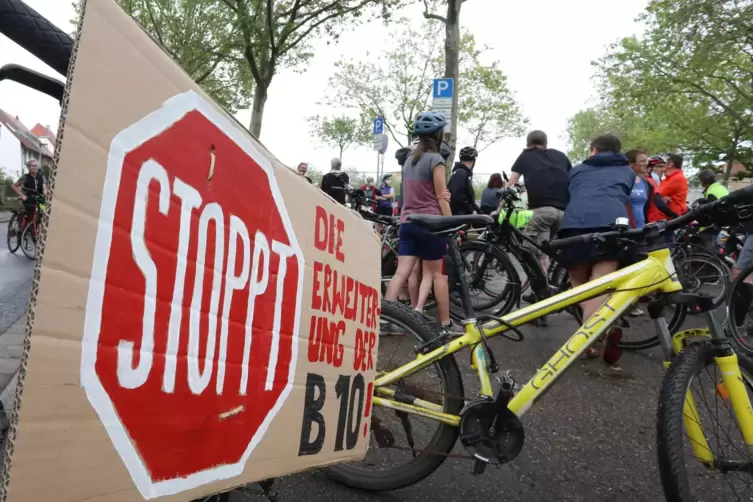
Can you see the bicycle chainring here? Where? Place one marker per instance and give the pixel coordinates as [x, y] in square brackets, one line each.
[498, 447]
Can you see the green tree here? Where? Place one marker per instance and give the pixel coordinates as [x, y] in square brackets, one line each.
[692, 72]
[340, 132]
[277, 33]
[201, 39]
[396, 84]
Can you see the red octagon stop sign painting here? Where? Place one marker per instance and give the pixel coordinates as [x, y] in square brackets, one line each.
[193, 311]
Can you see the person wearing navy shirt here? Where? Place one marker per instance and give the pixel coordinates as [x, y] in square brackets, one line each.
[384, 206]
[599, 193]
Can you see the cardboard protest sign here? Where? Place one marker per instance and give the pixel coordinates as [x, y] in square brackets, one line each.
[204, 317]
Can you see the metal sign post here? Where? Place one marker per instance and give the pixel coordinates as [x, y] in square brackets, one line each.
[378, 131]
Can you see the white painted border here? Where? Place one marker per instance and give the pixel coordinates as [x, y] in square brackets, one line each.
[153, 124]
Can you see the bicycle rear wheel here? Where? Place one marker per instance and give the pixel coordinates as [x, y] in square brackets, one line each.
[684, 477]
[413, 330]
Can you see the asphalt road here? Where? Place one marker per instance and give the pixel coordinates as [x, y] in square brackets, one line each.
[592, 437]
[15, 282]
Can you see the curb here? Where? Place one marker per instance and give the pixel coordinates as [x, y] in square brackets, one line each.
[4, 217]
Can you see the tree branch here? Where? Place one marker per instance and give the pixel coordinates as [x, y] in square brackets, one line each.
[271, 28]
[430, 15]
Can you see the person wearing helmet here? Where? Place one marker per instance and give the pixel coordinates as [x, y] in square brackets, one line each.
[655, 168]
[424, 192]
[384, 206]
[460, 185]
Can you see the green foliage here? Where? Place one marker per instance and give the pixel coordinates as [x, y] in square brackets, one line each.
[340, 132]
[201, 38]
[277, 33]
[396, 84]
[685, 85]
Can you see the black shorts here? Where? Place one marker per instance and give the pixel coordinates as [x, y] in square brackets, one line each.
[586, 253]
[384, 211]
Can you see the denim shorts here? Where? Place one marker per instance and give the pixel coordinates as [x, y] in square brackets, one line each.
[417, 241]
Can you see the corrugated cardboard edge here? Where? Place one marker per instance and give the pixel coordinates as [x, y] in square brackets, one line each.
[31, 310]
[10, 443]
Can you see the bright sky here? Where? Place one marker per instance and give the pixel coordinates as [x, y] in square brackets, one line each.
[545, 51]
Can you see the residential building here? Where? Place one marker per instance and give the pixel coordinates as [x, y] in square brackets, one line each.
[18, 144]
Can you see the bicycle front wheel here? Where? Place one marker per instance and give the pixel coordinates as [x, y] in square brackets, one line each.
[739, 311]
[14, 233]
[693, 402]
[399, 437]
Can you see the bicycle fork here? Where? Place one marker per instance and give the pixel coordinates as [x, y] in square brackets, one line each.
[727, 361]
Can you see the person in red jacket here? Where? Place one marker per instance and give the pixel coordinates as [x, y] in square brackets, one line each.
[674, 187]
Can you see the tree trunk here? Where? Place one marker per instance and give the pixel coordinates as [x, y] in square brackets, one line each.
[452, 68]
[257, 109]
[341, 153]
[731, 158]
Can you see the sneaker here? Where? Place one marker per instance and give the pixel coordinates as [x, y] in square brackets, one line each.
[612, 350]
[530, 298]
[636, 312]
[453, 330]
[388, 329]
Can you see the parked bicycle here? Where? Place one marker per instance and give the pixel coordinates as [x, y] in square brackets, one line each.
[489, 426]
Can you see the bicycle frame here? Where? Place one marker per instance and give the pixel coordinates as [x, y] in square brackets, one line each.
[623, 289]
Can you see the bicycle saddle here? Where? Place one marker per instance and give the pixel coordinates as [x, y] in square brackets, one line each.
[434, 223]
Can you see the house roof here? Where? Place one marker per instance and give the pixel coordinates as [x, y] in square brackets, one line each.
[24, 135]
[43, 131]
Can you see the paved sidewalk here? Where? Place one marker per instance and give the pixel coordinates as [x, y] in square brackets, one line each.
[11, 350]
[5, 216]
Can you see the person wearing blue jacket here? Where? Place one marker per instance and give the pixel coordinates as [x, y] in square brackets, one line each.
[599, 193]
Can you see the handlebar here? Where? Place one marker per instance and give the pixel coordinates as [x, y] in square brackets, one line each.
[742, 196]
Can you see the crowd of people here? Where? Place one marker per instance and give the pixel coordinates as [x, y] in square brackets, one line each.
[565, 201]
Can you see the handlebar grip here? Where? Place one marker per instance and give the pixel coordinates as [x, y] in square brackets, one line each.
[569, 241]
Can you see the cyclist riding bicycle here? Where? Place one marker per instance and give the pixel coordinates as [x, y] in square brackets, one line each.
[31, 186]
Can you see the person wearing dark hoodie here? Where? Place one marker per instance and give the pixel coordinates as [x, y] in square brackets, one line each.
[599, 193]
[460, 185]
[335, 182]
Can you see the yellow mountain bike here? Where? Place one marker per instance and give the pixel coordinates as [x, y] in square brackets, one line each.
[489, 426]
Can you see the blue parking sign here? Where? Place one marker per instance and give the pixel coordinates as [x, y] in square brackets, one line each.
[442, 88]
[378, 125]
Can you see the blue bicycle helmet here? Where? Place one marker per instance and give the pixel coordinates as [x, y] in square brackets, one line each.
[428, 123]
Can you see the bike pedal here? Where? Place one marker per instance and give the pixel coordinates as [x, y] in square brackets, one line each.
[479, 467]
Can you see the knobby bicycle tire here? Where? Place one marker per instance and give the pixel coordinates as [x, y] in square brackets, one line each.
[669, 418]
[739, 300]
[444, 438]
[13, 221]
[33, 32]
[27, 232]
[510, 296]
